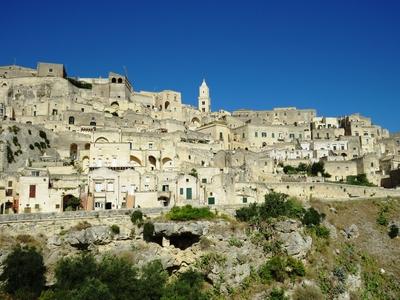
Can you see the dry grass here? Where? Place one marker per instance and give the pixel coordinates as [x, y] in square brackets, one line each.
[373, 238]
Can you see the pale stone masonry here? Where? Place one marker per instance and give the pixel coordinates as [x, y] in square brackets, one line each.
[102, 141]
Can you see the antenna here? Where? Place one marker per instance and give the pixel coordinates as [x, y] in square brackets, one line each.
[126, 71]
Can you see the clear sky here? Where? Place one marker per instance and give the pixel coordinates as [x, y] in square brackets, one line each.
[336, 56]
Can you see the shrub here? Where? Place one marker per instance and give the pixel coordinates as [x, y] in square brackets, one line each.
[114, 229]
[275, 205]
[148, 231]
[393, 231]
[279, 268]
[188, 285]
[24, 272]
[277, 294]
[207, 261]
[381, 219]
[279, 204]
[137, 217]
[246, 214]
[312, 217]
[31, 147]
[188, 212]
[360, 179]
[322, 231]
[42, 134]
[308, 292]
[274, 269]
[82, 225]
[234, 242]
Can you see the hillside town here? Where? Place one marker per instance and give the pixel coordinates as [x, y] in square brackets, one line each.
[71, 143]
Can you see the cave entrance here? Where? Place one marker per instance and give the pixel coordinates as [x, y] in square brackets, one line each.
[183, 240]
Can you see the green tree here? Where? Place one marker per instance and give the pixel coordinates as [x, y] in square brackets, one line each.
[71, 271]
[187, 286]
[23, 272]
[152, 281]
[316, 168]
[148, 231]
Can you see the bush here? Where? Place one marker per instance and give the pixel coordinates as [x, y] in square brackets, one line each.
[277, 294]
[274, 269]
[360, 179]
[275, 205]
[393, 231]
[137, 217]
[23, 272]
[207, 261]
[247, 214]
[188, 212]
[381, 219]
[322, 232]
[234, 242]
[80, 84]
[308, 292]
[148, 231]
[31, 147]
[114, 229]
[188, 285]
[42, 134]
[279, 268]
[312, 217]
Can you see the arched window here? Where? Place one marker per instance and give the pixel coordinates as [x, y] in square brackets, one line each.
[119, 80]
[166, 104]
[113, 80]
[71, 120]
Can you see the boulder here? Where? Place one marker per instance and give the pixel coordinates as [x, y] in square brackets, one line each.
[351, 232]
[176, 228]
[95, 235]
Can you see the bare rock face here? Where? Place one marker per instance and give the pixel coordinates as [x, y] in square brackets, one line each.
[176, 228]
[290, 233]
[96, 235]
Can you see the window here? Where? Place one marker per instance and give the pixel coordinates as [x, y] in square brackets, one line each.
[264, 134]
[10, 183]
[189, 193]
[98, 187]
[204, 180]
[244, 200]
[32, 191]
[181, 191]
[57, 206]
[256, 134]
[211, 200]
[110, 187]
[187, 179]
[221, 136]
[150, 145]
[36, 206]
[203, 102]
[273, 135]
[51, 70]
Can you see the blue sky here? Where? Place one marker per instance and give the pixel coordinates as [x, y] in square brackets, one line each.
[337, 56]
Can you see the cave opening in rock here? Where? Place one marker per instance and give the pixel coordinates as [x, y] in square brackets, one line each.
[183, 240]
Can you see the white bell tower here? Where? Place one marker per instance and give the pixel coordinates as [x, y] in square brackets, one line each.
[204, 98]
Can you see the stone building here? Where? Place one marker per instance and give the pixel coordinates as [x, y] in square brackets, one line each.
[115, 147]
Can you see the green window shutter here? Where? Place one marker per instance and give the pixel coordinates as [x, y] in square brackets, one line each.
[189, 193]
